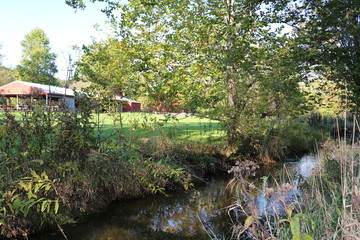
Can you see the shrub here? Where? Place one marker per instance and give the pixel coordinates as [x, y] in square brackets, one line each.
[54, 170]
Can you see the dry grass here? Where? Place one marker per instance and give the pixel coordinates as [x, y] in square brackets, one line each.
[328, 206]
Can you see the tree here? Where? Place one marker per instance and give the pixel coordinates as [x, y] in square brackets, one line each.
[336, 46]
[328, 39]
[107, 64]
[213, 56]
[38, 63]
[6, 75]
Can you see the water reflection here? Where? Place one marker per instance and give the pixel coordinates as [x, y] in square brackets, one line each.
[307, 165]
[178, 216]
[174, 217]
[281, 186]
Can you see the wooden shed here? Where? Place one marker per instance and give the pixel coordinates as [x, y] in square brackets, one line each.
[26, 90]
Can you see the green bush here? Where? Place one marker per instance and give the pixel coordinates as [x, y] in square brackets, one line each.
[289, 137]
[54, 170]
[279, 138]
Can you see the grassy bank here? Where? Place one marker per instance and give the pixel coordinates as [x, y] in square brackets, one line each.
[57, 167]
[138, 124]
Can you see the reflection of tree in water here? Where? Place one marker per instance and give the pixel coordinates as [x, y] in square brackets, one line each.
[292, 171]
[174, 217]
[160, 217]
[116, 233]
[180, 215]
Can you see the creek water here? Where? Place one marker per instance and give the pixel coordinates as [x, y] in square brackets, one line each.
[180, 215]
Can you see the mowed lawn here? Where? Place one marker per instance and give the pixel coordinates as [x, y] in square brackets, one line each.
[152, 125]
[146, 125]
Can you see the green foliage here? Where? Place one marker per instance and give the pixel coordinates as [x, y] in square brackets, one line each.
[285, 137]
[227, 64]
[42, 141]
[324, 97]
[232, 63]
[6, 75]
[295, 225]
[1, 56]
[23, 197]
[332, 196]
[38, 63]
[106, 64]
[282, 137]
[89, 172]
[49, 136]
[159, 174]
[327, 35]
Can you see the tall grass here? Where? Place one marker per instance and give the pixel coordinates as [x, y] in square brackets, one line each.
[333, 197]
[325, 206]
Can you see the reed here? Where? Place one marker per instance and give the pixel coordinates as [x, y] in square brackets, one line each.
[265, 208]
[332, 196]
[325, 206]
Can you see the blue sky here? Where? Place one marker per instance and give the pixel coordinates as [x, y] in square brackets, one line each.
[63, 25]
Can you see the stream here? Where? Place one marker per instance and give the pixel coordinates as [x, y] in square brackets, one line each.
[180, 215]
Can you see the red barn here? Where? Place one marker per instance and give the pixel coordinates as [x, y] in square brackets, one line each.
[128, 105]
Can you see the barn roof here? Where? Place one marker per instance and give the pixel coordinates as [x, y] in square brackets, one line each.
[51, 90]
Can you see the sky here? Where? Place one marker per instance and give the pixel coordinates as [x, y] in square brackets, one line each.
[63, 25]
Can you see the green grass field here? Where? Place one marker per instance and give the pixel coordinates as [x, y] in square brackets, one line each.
[153, 125]
[145, 125]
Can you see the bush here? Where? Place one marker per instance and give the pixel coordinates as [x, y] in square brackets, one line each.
[288, 137]
[279, 138]
[54, 170]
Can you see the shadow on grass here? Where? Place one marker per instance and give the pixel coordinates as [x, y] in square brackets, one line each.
[191, 132]
[139, 126]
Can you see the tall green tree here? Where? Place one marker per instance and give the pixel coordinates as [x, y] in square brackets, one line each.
[215, 56]
[38, 62]
[328, 39]
[107, 64]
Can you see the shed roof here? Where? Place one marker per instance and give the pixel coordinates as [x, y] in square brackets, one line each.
[46, 89]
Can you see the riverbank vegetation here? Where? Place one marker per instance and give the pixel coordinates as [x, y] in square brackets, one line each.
[324, 205]
[54, 169]
[57, 167]
[259, 72]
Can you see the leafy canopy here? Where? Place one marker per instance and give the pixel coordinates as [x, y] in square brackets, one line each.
[38, 62]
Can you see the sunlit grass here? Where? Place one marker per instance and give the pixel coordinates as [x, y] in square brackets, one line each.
[154, 125]
[146, 125]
